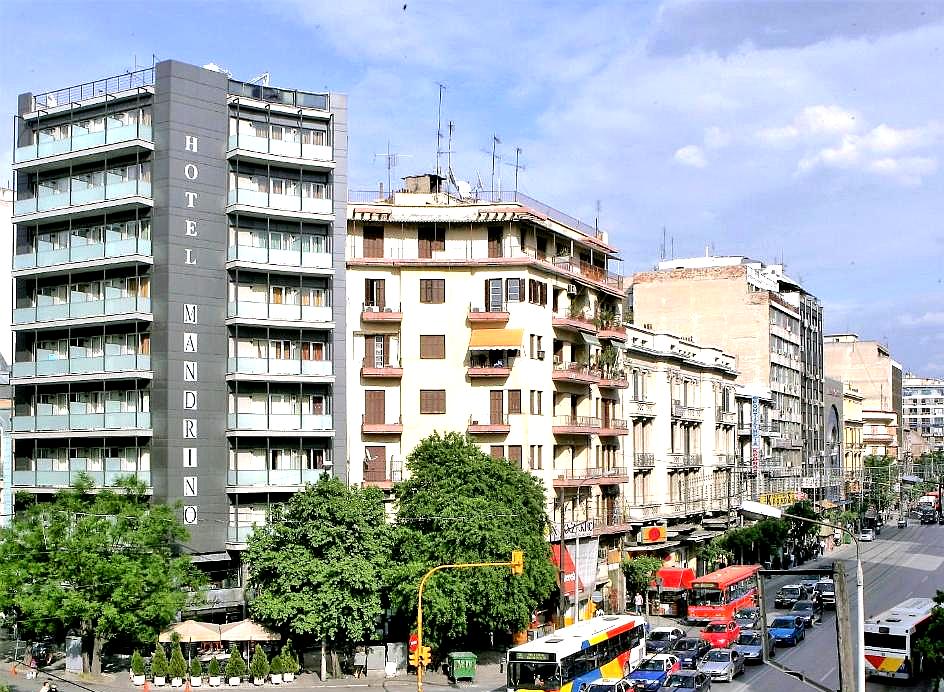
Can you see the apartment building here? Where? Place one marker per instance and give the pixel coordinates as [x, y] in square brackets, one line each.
[178, 293]
[868, 366]
[6, 444]
[923, 409]
[852, 449]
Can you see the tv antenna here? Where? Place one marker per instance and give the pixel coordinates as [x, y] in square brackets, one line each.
[442, 88]
[518, 167]
[495, 157]
[392, 160]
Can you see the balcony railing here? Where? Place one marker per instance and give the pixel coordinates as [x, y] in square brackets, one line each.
[280, 422]
[645, 510]
[97, 89]
[243, 365]
[240, 533]
[273, 477]
[79, 196]
[291, 203]
[281, 147]
[381, 313]
[686, 412]
[84, 309]
[644, 460]
[493, 423]
[114, 132]
[727, 459]
[494, 312]
[374, 427]
[726, 417]
[578, 424]
[50, 474]
[83, 252]
[640, 408]
[82, 366]
[126, 420]
[280, 257]
[603, 475]
[575, 372]
[577, 320]
[617, 426]
[244, 309]
[276, 95]
[677, 460]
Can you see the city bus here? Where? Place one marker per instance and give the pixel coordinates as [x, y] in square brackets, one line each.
[890, 639]
[571, 658]
[718, 595]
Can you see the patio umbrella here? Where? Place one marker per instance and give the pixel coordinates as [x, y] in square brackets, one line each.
[247, 631]
[192, 631]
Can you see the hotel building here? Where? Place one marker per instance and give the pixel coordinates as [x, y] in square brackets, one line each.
[179, 300]
[923, 410]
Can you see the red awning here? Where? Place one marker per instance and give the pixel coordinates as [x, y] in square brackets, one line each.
[675, 578]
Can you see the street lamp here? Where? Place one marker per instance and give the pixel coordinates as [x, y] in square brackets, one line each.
[756, 510]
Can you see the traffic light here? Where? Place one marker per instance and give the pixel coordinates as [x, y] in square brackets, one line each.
[425, 655]
[415, 659]
[517, 562]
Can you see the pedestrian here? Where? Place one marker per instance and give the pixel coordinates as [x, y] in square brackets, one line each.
[822, 547]
[638, 601]
[360, 662]
[45, 686]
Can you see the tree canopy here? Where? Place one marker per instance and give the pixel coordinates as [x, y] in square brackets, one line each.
[931, 645]
[639, 572]
[316, 570]
[802, 531]
[880, 476]
[102, 565]
[462, 505]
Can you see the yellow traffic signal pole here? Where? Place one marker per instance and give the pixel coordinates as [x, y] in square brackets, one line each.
[517, 567]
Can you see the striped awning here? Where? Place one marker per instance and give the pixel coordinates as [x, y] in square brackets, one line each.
[496, 339]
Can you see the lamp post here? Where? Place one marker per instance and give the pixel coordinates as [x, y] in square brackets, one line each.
[758, 509]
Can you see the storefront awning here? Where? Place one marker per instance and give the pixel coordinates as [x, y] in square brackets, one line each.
[674, 578]
[590, 339]
[496, 339]
[651, 547]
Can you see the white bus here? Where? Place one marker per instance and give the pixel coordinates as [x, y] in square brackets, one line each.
[571, 658]
[890, 639]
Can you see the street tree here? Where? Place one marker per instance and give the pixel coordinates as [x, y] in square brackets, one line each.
[461, 505]
[316, 569]
[802, 532]
[640, 572]
[880, 477]
[931, 644]
[103, 565]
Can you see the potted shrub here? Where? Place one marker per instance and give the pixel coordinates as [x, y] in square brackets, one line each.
[289, 663]
[196, 673]
[177, 668]
[137, 668]
[213, 673]
[235, 666]
[276, 669]
[259, 666]
[159, 666]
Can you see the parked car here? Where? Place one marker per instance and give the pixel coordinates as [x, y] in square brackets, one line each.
[721, 633]
[750, 644]
[722, 664]
[662, 638]
[690, 651]
[809, 584]
[928, 517]
[808, 611]
[788, 595]
[787, 629]
[826, 588]
[748, 618]
[653, 671]
[866, 535]
[902, 522]
[687, 681]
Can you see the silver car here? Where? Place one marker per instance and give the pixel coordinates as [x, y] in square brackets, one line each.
[722, 664]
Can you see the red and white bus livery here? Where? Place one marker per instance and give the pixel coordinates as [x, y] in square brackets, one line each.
[718, 595]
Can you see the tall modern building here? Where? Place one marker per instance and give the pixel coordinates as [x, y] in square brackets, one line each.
[179, 261]
[923, 409]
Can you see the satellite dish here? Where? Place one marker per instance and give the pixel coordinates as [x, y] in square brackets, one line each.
[464, 188]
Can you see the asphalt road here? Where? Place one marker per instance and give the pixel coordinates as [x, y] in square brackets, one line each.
[899, 564]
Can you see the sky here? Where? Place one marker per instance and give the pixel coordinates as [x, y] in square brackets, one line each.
[807, 132]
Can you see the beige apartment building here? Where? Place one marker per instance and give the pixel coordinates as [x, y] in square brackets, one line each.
[852, 437]
[870, 369]
[923, 410]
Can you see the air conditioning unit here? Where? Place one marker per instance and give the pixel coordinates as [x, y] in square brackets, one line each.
[571, 289]
[540, 355]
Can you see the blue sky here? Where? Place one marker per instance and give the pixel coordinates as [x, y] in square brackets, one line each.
[811, 131]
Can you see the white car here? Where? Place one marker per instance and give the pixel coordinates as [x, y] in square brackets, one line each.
[867, 535]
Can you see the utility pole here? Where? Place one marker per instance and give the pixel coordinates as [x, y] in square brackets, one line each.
[847, 671]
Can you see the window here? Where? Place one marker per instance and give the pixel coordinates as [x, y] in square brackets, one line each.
[432, 290]
[495, 241]
[432, 346]
[537, 292]
[432, 401]
[536, 460]
[535, 402]
[514, 401]
[514, 455]
[513, 290]
[493, 295]
[373, 241]
[431, 239]
[497, 452]
[375, 293]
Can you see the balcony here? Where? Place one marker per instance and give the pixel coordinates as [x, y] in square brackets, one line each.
[275, 423]
[612, 427]
[576, 425]
[56, 474]
[83, 145]
[81, 251]
[384, 478]
[292, 206]
[493, 425]
[684, 461]
[593, 476]
[381, 314]
[614, 331]
[264, 149]
[245, 368]
[575, 321]
[127, 306]
[375, 428]
[787, 443]
[488, 371]
[80, 198]
[643, 461]
[877, 437]
[240, 479]
[277, 312]
[496, 313]
[122, 422]
[645, 510]
[640, 409]
[237, 535]
[765, 429]
[252, 256]
[725, 417]
[613, 379]
[389, 371]
[124, 365]
[727, 459]
[613, 520]
[689, 413]
[577, 373]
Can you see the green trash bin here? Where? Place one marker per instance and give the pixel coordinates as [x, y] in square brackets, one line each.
[460, 665]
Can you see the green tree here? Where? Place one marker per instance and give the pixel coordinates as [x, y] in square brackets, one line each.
[640, 572]
[802, 531]
[462, 505]
[103, 565]
[714, 552]
[317, 570]
[881, 474]
[235, 664]
[931, 644]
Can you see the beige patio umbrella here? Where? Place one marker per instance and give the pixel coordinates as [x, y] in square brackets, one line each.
[192, 631]
[247, 631]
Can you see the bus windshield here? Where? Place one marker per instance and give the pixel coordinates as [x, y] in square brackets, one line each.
[706, 596]
[533, 676]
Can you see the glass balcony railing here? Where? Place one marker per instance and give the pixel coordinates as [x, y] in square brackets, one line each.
[123, 420]
[269, 477]
[114, 133]
[279, 311]
[282, 422]
[82, 366]
[282, 258]
[76, 310]
[239, 533]
[255, 198]
[279, 366]
[78, 195]
[45, 256]
[50, 474]
[281, 147]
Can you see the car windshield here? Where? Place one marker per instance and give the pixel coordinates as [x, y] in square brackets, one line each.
[718, 656]
[749, 639]
[803, 605]
[606, 687]
[683, 681]
[686, 644]
[652, 664]
[660, 636]
[783, 623]
[790, 591]
[716, 627]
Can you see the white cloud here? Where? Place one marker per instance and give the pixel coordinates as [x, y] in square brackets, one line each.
[926, 319]
[692, 155]
[716, 138]
[812, 121]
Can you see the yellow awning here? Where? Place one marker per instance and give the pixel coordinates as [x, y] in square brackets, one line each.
[495, 339]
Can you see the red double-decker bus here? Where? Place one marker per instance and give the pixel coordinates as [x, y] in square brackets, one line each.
[718, 595]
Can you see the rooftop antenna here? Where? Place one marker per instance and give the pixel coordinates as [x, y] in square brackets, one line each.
[495, 157]
[596, 220]
[662, 249]
[518, 167]
[442, 88]
[392, 160]
[449, 175]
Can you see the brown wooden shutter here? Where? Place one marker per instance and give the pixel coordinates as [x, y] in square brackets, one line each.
[496, 406]
[514, 455]
[497, 451]
[374, 406]
[514, 401]
[381, 294]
